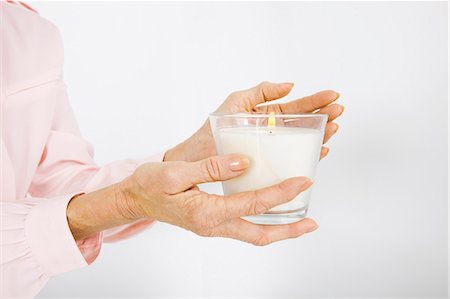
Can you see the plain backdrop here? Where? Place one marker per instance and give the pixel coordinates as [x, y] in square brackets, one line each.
[143, 76]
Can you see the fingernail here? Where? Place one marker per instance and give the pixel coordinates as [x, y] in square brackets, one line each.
[306, 185]
[239, 164]
[336, 128]
[337, 95]
[342, 111]
[288, 84]
[313, 228]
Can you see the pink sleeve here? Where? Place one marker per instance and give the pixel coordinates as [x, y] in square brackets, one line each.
[46, 158]
[36, 241]
[35, 246]
[67, 167]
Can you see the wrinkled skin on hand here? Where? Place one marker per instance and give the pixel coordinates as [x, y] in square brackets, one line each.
[168, 192]
[201, 145]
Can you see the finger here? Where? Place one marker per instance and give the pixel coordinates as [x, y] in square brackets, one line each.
[264, 234]
[268, 91]
[261, 200]
[330, 130]
[333, 111]
[182, 176]
[324, 152]
[310, 103]
[217, 168]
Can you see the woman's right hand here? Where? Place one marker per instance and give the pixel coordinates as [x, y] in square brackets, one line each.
[168, 192]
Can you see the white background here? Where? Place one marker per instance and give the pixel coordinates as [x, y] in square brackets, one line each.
[144, 76]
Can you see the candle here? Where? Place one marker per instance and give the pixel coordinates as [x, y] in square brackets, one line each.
[277, 151]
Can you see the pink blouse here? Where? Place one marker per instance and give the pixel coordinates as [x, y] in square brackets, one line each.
[44, 160]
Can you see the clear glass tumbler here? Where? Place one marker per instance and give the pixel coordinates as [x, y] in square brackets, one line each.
[279, 146]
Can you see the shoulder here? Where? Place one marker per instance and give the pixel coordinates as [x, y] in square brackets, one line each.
[32, 51]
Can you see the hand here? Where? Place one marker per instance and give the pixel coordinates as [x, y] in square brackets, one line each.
[168, 192]
[201, 145]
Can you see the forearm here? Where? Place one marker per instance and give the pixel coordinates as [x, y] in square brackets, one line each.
[97, 211]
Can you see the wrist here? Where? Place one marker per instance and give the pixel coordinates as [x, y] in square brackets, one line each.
[127, 200]
[94, 212]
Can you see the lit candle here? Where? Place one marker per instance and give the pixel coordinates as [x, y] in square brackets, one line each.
[276, 153]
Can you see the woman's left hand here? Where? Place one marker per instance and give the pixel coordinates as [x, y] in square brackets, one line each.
[201, 145]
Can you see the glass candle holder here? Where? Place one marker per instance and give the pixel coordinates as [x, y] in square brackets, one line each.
[279, 146]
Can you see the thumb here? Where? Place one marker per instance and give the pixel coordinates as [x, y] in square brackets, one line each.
[218, 168]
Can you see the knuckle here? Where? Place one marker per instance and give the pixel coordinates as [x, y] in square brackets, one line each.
[263, 83]
[206, 233]
[199, 218]
[261, 240]
[212, 168]
[257, 206]
[221, 210]
[166, 174]
[262, 90]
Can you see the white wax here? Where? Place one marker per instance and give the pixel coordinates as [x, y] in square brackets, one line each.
[275, 154]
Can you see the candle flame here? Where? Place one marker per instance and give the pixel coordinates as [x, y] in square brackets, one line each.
[272, 122]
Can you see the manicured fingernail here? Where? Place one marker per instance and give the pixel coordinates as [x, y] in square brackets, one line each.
[337, 95]
[288, 84]
[312, 228]
[239, 164]
[336, 128]
[306, 185]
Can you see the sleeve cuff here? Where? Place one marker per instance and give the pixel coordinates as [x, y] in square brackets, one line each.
[50, 238]
[51, 241]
